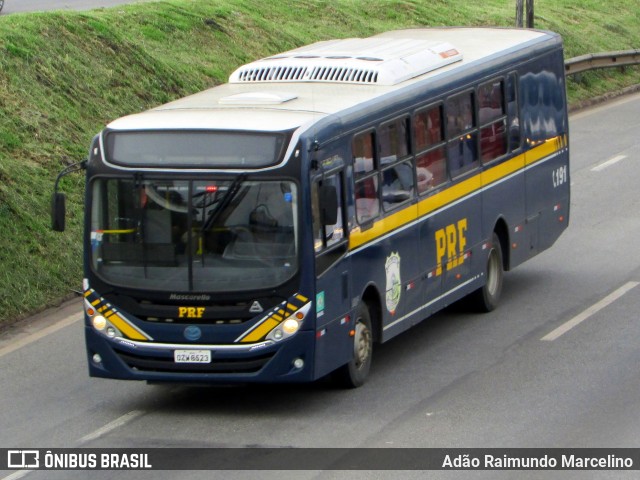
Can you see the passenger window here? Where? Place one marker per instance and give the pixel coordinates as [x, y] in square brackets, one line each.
[367, 201]
[394, 141]
[493, 121]
[490, 101]
[460, 116]
[462, 134]
[329, 239]
[363, 153]
[463, 154]
[397, 184]
[427, 126]
[513, 113]
[326, 235]
[431, 168]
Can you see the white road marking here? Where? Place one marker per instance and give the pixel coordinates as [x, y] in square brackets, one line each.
[21, 342]
[18, 474]
[593, 309]
[608, 163]
[118, 422]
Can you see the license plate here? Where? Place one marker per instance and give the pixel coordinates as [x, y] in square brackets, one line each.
[192, 356]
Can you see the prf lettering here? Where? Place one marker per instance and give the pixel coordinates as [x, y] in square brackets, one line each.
[450, 243]
[190, 312]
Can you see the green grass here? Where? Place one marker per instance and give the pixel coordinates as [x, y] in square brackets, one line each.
[64, 75]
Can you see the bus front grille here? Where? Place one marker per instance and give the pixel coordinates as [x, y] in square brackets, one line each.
[166, 364]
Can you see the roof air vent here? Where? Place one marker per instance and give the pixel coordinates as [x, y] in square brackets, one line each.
[374, 61]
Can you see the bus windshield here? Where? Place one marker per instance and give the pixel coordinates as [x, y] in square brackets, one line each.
[194, 236]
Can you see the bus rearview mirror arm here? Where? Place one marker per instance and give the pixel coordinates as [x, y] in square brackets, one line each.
[58, 200]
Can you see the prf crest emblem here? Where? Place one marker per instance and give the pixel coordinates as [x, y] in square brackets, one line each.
[394, 282]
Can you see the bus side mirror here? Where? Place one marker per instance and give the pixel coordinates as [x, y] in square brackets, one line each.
[58, 211]
[328, 204]
[58, 200]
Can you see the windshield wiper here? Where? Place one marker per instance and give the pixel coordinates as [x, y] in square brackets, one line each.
[224, 202]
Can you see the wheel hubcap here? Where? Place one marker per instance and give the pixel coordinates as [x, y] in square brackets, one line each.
[362, 344]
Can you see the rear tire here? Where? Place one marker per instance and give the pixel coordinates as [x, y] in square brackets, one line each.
[486, 298]
[354, 373]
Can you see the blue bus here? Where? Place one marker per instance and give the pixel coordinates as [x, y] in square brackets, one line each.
[325, 199]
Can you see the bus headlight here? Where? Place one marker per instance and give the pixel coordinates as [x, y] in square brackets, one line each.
[286, 329]
[105, 327]
[99, 323]
[290, 325]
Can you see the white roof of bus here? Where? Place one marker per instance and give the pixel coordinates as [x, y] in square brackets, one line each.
[282, 105]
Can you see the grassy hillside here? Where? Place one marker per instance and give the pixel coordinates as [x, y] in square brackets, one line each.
[64, 75]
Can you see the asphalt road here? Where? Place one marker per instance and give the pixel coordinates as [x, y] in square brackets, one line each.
[19, 6]
[556, 365]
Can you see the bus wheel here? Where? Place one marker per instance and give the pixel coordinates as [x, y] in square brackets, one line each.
[486, 298]
[354, 373]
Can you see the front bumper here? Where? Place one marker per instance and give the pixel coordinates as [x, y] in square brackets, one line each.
[264, 362]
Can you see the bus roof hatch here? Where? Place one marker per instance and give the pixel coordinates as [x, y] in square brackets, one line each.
[374, 61]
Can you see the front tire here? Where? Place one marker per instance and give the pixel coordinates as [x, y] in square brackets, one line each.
[486, 298]
[354, 373]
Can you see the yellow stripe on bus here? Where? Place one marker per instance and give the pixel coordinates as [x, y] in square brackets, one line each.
[455, 192]
[257, 334]
[124, 326]
[503, 170]
[449, 195]
[383, 226]
[543, 150]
